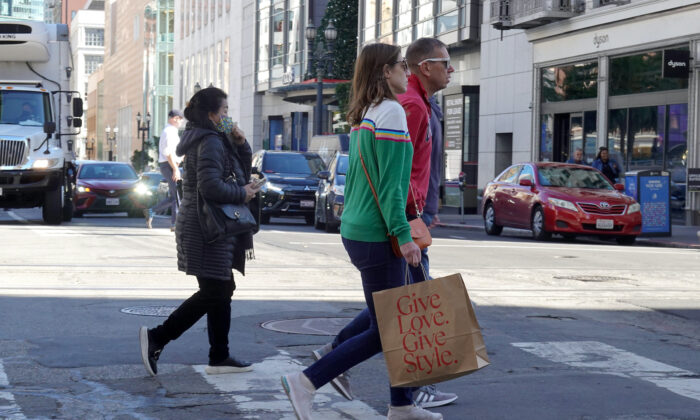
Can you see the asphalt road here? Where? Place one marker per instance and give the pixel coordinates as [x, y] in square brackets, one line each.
[574, 330]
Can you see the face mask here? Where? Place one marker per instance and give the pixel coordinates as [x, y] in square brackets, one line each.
[225, 125]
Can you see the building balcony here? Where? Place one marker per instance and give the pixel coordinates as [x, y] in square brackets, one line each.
[526, 14]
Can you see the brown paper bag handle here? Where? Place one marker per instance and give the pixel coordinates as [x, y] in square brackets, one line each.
[406, 281]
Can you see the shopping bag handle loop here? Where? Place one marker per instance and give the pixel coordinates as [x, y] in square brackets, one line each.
[407, 277]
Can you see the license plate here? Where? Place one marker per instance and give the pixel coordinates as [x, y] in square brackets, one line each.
[604, 224]
[112, 202]
[306, 203]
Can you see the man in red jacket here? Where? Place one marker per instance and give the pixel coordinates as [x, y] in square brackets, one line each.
[430, 67]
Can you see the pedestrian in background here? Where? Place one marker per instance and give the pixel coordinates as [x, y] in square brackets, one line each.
[381, 134]
[430, 67]
[169, 164]
[577, 158]
[210, 158]
[605, 164]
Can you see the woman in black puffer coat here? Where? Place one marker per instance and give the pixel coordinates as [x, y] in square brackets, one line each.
[210, 158]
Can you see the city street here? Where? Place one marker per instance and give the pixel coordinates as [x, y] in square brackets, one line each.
[574, 330]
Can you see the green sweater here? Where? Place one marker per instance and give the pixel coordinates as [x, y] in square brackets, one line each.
[388, 153]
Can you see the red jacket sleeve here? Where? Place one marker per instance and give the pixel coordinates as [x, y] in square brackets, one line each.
[418, 130]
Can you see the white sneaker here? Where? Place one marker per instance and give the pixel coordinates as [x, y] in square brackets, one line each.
[341, 383]
[428, 396]
[300, 396]
[411, 412]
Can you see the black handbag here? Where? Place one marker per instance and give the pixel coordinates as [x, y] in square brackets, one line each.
[219, 220]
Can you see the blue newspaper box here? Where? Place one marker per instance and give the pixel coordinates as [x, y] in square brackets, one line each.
[652, 190]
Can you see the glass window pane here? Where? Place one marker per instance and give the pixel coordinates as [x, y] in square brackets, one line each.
[645, 142]
[404, 6]
[425, 28]
[677, 154]
[590, 135]
[565, 83]
[387, 9]
[446, 5]
[425, 11]
[404, 20]
[641, 73]
[575, 134]
[404, 37]
[386, 27]
[370, 13]
[370, 33]
[448, 22]
[617, 135]
[547, 138]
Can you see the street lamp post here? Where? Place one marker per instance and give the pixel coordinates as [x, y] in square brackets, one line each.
[111, 140]
[324, 59]
[144, 129]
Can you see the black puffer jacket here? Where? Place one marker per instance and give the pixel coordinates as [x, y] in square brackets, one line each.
[206, 167]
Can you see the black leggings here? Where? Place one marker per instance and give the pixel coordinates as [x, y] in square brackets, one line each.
[212, 299]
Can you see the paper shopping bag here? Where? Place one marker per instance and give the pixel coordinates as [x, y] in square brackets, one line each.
[429, 332]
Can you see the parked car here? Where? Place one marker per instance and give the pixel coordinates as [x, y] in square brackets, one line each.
[560, 198]
[330, 195]
[292, 180]
[107, 187]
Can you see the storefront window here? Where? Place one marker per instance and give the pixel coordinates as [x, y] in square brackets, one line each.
[646, 137]
[565, 83]
[641, 73]
[590, 134]
[677, 152]
[547, 137]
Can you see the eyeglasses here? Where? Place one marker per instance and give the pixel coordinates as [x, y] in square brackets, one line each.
[446, 61]
[404, 64]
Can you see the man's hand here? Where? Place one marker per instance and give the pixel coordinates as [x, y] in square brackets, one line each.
[411, 253]
[250, 191]
[176, 175]
[435, 222]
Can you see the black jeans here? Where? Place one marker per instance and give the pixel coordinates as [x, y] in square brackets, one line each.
[212, 299]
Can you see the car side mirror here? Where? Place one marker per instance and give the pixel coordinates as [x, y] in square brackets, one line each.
[324, 174]
[526, 182]
[619, 187]
[49, 127]
[77, 107]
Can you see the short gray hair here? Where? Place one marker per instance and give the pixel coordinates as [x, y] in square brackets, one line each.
[422, 48]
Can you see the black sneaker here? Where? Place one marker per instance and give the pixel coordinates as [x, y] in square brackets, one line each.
[230, 365]
[150, 352]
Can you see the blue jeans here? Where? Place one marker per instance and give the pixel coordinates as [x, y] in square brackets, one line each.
[380, 270]
[167, 171]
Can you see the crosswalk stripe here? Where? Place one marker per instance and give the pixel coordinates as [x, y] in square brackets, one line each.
[8, 409]
[605, 359]
[261, 390]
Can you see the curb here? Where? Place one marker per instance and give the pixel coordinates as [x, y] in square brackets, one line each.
[640, 241]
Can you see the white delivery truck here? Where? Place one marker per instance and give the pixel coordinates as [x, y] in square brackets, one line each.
[39, 117]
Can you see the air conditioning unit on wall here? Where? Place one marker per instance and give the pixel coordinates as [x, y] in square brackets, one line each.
[609, 2]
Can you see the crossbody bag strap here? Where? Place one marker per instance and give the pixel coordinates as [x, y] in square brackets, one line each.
[369, 180]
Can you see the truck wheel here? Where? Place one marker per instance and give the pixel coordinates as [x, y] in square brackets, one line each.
[68, 202]
[52, 211]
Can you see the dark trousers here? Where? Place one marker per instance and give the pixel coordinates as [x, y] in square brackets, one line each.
[380, 270]
[167, 171]
[212, 299]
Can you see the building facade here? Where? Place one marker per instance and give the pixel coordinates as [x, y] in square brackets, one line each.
[132, 82]
[596, 73]
[64, 11]
[87, 45]
[214, 46]
[25, 9]
[457, 24]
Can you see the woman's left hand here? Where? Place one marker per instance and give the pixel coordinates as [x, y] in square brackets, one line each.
[238, 136]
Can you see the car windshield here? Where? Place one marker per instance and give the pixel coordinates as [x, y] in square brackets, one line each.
[292, 163]
[570, 177]
[342, 167]
[24, 107]
[107, 171]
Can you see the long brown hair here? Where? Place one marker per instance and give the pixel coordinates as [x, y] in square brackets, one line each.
[369, 86]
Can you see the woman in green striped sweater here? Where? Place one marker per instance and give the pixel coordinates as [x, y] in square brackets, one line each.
[380, 148]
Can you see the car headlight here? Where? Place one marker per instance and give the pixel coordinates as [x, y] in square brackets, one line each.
[268, 186]
[82, 189]
[45, 163]
[633, 208]
[562, 203]
[338, 189]
[142, 189]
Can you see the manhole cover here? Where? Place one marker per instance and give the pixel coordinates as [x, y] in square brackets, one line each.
[590, 278]
[308, 326]
[149, 310]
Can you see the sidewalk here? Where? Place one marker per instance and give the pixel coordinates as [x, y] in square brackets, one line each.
[681, 236]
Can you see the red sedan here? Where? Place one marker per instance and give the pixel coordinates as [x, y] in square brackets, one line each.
[560, 198]
[108, 187]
